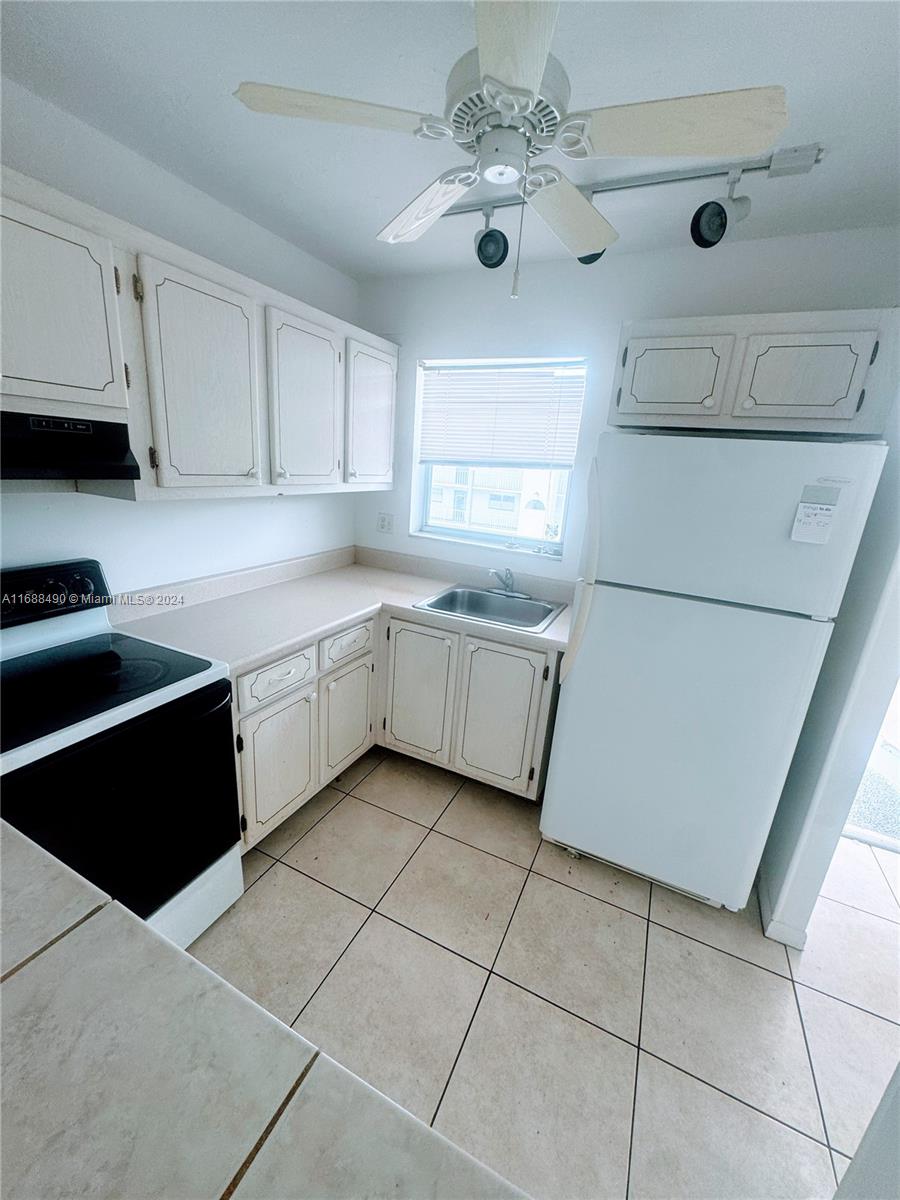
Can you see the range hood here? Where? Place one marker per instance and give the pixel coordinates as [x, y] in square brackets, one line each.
[35, 446]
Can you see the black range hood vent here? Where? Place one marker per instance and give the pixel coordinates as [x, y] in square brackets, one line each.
[41, 447]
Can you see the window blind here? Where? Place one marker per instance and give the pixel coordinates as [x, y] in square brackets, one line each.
[501, 414]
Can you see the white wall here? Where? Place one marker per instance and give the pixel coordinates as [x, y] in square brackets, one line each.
[568, 309]
[150, 543]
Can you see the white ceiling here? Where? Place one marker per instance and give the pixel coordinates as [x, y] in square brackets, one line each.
[159, 77]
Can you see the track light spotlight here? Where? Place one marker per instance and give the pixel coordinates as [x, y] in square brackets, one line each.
[587, 259]
[491, 245]
[716, 219]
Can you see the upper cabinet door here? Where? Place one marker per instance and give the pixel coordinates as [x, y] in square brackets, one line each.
[371, 396]
[809, 376]
[679, 376]
[202, 370]
[306, 399]
[61, 337]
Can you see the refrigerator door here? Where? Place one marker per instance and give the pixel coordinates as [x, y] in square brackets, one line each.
[760, 522]
[674, 735]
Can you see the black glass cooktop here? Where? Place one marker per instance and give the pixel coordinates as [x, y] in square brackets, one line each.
[62, 685]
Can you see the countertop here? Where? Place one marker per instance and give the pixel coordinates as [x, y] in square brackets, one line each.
[253, 627]
[130, 1069]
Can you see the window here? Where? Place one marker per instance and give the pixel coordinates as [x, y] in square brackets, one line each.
[497, 447]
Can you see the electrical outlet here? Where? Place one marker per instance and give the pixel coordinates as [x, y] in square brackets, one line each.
[385, 523]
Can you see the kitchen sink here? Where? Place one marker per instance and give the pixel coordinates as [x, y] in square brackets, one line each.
[495, 607]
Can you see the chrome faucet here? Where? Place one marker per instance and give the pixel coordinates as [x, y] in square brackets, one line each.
[506, 580]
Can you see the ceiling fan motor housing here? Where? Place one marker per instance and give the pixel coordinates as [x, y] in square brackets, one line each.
[471, 115]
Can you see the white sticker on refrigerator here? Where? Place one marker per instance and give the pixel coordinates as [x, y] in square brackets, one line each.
[815, 512]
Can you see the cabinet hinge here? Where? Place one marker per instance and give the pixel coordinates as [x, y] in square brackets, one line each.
[137, 287]
[239, 743]
[618, 397]
[547, 672]
[118, 281]
[531, 775]
[340, 357]
[862, 396]
[874, 352]
[373, 668]
[388, 633]
[384, 722]
[127, 376]
[624, 356]
[243, 823]
[370, 727]
[154, 457]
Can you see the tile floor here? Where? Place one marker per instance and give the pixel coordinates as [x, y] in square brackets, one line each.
[585, 1034]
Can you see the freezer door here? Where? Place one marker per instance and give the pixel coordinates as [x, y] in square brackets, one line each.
[722, 517]
[674, 735]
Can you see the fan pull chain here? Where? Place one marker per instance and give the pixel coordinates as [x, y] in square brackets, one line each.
[514, 294]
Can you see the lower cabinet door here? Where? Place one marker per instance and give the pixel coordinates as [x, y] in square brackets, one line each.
[279, 760]
[499, 705]
[421, 685]
[345, 715]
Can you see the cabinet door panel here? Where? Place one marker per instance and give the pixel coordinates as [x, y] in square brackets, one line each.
[279, 760]
[677, 375]
[61, 335]
[346, 715]
[306, 398]
[499, 704]
[201, 363]
[803, 375]
[421, 685]
[371, 396]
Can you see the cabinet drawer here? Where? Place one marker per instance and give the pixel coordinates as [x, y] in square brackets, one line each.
[341, 646]
[258, 686]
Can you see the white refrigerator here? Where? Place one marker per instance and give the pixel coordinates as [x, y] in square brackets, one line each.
[712, 570]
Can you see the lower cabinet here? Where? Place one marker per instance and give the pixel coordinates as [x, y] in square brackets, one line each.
[421, 687]
[279, 760]
[499, 708]
[346, 715]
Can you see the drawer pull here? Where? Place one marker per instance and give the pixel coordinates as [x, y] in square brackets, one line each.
[286, 675]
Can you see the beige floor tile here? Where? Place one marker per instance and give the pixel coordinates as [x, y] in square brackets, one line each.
[542, 1097]
[853, 956]
[494, 821]
[596, 878]
[890, 865]
[855, 877]
[340, 1139]
[254, 864]
[416, 790]
[738, 933]
[358, 849]
[693, 1143]
[459, 896]
[356, 772]
[578, 952]
[280, 840]
[394, 1011]
[731, 1024]
[854, 1055]
[279, 940]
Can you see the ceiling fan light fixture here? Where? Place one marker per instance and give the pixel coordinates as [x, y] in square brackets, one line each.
[502, 155]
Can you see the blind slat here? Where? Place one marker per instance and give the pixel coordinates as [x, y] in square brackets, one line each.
[502, 414]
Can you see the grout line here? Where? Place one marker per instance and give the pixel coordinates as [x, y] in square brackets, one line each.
[317, 821]
[276, 1117]
[13, 970]
[849, 1003]
[867, 912]
[572, 888]
[812, 1071]
[637, 1059]
[728, 953]
[787, 957]
[884, 872]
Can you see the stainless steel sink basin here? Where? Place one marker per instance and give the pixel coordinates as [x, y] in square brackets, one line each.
[494, 607]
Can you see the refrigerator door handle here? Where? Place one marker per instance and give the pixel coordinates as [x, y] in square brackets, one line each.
[584, 598]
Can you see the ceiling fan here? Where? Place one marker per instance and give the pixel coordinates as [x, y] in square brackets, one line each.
[507, 104]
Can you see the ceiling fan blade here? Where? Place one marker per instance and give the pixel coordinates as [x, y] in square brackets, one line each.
[422, 213]
[567, 213]
[717, 123]
[514, 40]
[289, 102]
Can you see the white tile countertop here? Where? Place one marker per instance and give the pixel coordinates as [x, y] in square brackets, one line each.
[130, 1069]
[255, 626]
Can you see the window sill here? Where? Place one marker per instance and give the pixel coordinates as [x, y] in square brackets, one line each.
[497, 547]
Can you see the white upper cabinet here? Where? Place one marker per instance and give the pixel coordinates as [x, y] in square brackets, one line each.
[499, 706]
[804, 376]
[421, 686]
[306, 399]
[201, 344]
[61, 337]
[371, 398]
[675, 375]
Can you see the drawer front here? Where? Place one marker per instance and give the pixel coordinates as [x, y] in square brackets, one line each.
[258, 686]
[341, 646]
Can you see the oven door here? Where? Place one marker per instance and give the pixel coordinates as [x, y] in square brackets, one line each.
[142, 809]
